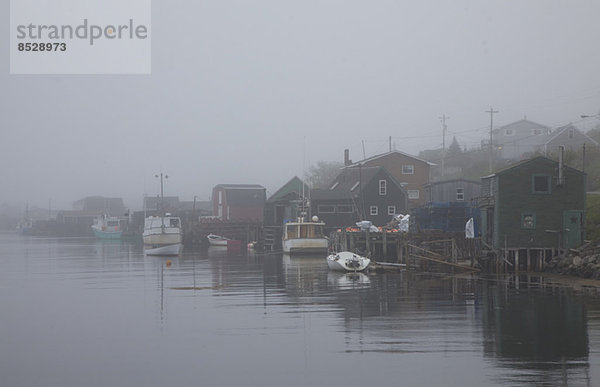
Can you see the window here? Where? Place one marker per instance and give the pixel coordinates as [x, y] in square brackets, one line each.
[408, 169]
[382, 187]
[354, 186]
[571, 133]
[537, 131]
[345, 209]
[509, 132]
[323, 209]
[460, 194]
[334, 185]
[391, 210]
[373, 210]
[541, 184]
[413, 193]
[528, 220]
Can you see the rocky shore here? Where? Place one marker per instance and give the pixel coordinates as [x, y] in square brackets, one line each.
[584, 263]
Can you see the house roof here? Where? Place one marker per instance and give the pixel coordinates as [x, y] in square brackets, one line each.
[79, 213]
[153, 202]
[452, 181]
[240, 186]
[557, 132]
[387, 154]
[520, 123]
[295, 183]
[342, 186]
[528, 161]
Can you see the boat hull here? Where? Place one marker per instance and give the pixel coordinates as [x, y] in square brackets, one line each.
[174, 249]
[108, 234]
[215, 240]
[347, 261]
[305, 246]
[162, 244]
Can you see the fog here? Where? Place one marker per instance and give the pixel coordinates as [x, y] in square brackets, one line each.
[256, 91]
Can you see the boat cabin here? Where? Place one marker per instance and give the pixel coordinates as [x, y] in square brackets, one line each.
[303, 230]
[157, 222]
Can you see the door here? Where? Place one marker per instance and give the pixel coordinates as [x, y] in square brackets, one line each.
[572, 228]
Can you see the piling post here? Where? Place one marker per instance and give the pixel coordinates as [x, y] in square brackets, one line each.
[384, 243]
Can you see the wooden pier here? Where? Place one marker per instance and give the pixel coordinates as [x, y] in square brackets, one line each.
[425, 251]
[243, 231]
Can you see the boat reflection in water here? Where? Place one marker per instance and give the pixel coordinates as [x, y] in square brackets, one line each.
[354, 280]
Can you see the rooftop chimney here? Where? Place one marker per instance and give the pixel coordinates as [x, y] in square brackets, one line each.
[347, 160]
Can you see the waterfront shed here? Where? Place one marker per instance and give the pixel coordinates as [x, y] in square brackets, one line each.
[534, 204]
[239, 201]
[286, 203]
[453, 190]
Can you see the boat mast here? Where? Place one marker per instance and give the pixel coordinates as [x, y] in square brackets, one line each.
[162, 204]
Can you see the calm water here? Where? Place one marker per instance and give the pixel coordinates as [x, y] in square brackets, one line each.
[79, 312]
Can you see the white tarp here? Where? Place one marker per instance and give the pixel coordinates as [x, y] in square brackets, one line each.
[402, 221]
[469, 229]
[367, 225]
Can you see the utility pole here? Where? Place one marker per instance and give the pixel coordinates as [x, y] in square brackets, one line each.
[390, 141]
[443, 118]
[492, 112]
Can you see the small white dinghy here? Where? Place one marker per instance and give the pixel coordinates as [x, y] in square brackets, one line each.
[217, 240]
[347, 261]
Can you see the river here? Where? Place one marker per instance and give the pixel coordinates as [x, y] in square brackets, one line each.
[81, 312]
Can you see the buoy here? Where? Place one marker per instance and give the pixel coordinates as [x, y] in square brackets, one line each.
[168, 263]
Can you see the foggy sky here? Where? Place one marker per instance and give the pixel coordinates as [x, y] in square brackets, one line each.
[256, 91]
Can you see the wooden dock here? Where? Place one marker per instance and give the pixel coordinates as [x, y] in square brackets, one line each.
[243, 231]
[424, 251]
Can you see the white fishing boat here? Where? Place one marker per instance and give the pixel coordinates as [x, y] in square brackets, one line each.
[217, 240]
[162, 235]
[107, 227]
[304, 237]
[347, 261]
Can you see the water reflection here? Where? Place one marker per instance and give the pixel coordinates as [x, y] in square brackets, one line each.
[287, 316]
[537, 328]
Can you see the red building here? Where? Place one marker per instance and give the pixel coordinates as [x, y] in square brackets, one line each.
[239, 201]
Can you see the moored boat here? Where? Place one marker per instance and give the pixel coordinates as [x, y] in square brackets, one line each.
[347, 261]
[217, 240]
[107, 227]
[304, 237]
[162, 235]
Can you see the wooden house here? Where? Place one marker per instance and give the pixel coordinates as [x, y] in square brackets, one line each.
[109, 206]
[239, 202]
[569, 137]
[152, 205]
[286, 203]
[515, 140]
[449, 207]
[453, 190]
[410, 172]
[362, 193]
[534, 204]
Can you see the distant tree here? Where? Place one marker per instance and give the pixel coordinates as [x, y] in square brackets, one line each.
[322, 173]
[454, 148]
[454, 154]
